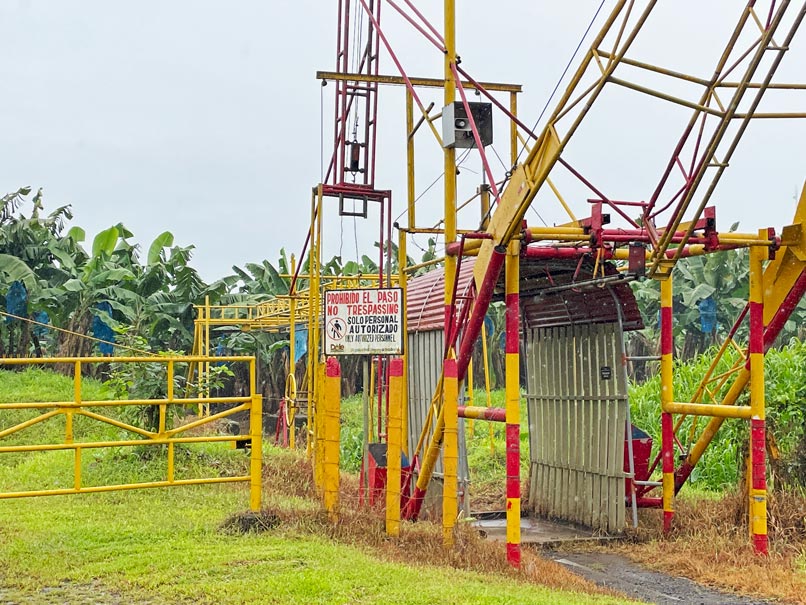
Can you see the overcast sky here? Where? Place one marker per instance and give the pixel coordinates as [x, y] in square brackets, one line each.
[203, 117]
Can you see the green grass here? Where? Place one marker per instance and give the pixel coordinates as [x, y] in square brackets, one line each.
[163, 546]
[148, 544]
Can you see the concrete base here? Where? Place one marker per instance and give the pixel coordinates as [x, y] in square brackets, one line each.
[539, 532]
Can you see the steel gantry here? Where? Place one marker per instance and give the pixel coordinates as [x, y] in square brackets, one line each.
[646, 236]
[674, 220]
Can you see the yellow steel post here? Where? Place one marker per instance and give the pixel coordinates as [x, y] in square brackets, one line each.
[450, 457]
[204, 408]
[332, 406]
[403, 283]
[666, 398]
[69, 414]
[313, 301]
[403, 278]
[170, 396]
[77, 469]
[171, 462]
[449, 160]
[68, 426]
[449, 415]
[394, 432]
[484, 198]
[292, 355]
[410, 182]
[256, 437]
[757, 421]
[77, 382]
[513, 399]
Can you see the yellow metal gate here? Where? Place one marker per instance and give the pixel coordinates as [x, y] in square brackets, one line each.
[102, 411]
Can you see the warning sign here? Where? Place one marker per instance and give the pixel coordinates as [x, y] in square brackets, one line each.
[364, 322]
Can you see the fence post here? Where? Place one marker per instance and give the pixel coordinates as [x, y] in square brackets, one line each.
[394, 430]
[256, 435]
[331, 430]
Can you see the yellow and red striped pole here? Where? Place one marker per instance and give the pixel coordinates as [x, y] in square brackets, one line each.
[666, 397]
[512, 398]
[450, 456]
[758, 493]
[330, 433]
[394, 439]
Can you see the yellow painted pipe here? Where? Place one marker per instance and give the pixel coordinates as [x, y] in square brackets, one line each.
[330, 434]
[450, 457]
[394, 431]
[707, 409]
[256, 437]
[52, 447]
[125, 486]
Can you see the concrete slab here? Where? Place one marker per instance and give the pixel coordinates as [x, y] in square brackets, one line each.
[540, 532]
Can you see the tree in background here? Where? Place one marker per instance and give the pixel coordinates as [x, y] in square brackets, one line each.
[710, 292]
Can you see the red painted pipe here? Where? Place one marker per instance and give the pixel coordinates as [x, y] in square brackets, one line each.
[566, 252]
[480, 306]
[647, 502]
[481, 413]
[552, 252]
[783, 313]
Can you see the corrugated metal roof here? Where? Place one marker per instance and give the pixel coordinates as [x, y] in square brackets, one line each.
[425, 305]
[584, 305]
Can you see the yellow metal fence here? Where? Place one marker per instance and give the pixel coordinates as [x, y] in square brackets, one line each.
[162, 436]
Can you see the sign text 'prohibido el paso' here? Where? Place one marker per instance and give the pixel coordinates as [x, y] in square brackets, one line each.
[364, 322]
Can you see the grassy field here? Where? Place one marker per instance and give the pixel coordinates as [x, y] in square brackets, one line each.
[166, 546]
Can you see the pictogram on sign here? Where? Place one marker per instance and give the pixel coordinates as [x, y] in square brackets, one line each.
[364, 322]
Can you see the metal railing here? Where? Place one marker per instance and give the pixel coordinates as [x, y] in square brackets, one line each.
[162, 435]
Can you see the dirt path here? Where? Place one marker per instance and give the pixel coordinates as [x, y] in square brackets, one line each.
[617, 572]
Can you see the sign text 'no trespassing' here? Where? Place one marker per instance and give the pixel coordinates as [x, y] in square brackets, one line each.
[364, 322]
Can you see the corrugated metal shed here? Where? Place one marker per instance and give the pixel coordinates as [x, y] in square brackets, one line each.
[425, 305]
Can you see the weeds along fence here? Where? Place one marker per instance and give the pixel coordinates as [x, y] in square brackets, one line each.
[80, 426]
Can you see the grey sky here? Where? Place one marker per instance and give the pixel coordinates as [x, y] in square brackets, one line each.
[203, 117]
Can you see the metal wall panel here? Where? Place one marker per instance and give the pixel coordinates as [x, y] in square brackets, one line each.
[577, 421]
[425, 351]
[425, 364]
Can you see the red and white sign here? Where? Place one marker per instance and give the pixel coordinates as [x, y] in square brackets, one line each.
[364, 322]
